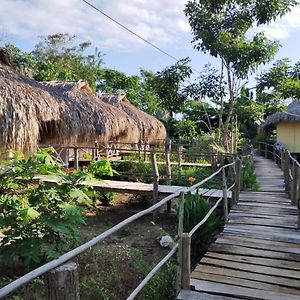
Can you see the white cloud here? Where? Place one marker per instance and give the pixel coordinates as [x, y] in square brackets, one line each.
[284, 27]
[161, 22]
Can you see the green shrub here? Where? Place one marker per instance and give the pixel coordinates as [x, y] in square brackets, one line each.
[249, 177]
[196, 208]
[39, 222]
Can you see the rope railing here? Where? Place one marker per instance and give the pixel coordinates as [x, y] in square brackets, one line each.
[183, 244]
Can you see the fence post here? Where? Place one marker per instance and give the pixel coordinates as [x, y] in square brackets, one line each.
[282, 159]
[139, 150]
[180, 232]
[295, 175]
[259, 148]
[155, 179]
[76, 160]
[225, 199]
[168, 167]
[145, 150]
[237, 180]
[266, 150]
[179, 155]
[287, 170]
[186, 261]
[274, 154]
[63, 282]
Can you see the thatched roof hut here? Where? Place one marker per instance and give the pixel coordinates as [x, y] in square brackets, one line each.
[287, 126]
[56, 113]
[151, 129]
[24, 106]
[292, 114]
[88, 119]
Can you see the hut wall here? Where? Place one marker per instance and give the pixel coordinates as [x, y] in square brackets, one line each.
[288, 133]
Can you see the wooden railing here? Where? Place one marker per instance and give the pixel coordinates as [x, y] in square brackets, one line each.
[290, 167]
[182, 245]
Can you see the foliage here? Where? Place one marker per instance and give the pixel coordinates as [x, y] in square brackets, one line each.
[196, 208]
[220, 28]
[186, 129]
[100, 168]
[39, 222]
[249, 176]
[168, 85]
[279, 83]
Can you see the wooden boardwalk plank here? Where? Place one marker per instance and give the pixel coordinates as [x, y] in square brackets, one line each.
[257, 256]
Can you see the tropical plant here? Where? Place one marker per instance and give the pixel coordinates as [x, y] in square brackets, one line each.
[249, 176]
[196, 208]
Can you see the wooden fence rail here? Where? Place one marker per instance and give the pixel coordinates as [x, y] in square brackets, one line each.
[183, 245]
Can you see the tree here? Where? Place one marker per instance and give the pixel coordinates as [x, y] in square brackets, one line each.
[59, 57]
[136, 88]
[278, 84]
[222, 29]
[168, 85]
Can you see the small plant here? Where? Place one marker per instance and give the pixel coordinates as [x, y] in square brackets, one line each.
[126, 231]
[106, 198]
[249, 177]
[196, 208]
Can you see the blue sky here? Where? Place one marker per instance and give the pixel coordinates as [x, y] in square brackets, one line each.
[160, 21]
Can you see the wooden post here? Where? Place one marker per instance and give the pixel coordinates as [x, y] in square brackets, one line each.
[186, 261]
[259, 148]
[287, 170]
[180, 232]
[179, 156]
[225, 198]
[237, 180]
[168, 167]
[145, 150]
[282, 159]
[139, 150]
[274, 154]
[63, 282]
[155, 179]
[266, 150]
[76, 159]
[295, 175]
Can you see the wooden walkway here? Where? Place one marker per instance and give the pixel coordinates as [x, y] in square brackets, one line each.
[139, 188]
[258, 254]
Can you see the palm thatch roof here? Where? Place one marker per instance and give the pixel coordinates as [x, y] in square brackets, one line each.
[292, 114]
[87, 119]
[151, 129]
[24, 105]
[56, 113]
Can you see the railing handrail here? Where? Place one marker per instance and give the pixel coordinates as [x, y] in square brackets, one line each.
[84, 247]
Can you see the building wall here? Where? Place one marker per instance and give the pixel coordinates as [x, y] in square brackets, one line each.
[288, 133]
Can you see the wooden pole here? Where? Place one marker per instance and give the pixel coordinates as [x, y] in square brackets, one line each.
[63, 282]
[294, 183]
[179, 156]
[225, 198]
[274, 154]
[237, 180]
[266, 150]
[282, 159]
[145, 150]
[139, 150]
[186, 261]
[259, 148]
[180, 232]
[76, 160]
[168, 167]
[287, 170]
[155, 180]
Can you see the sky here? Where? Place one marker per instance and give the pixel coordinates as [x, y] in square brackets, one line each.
[162, 22]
